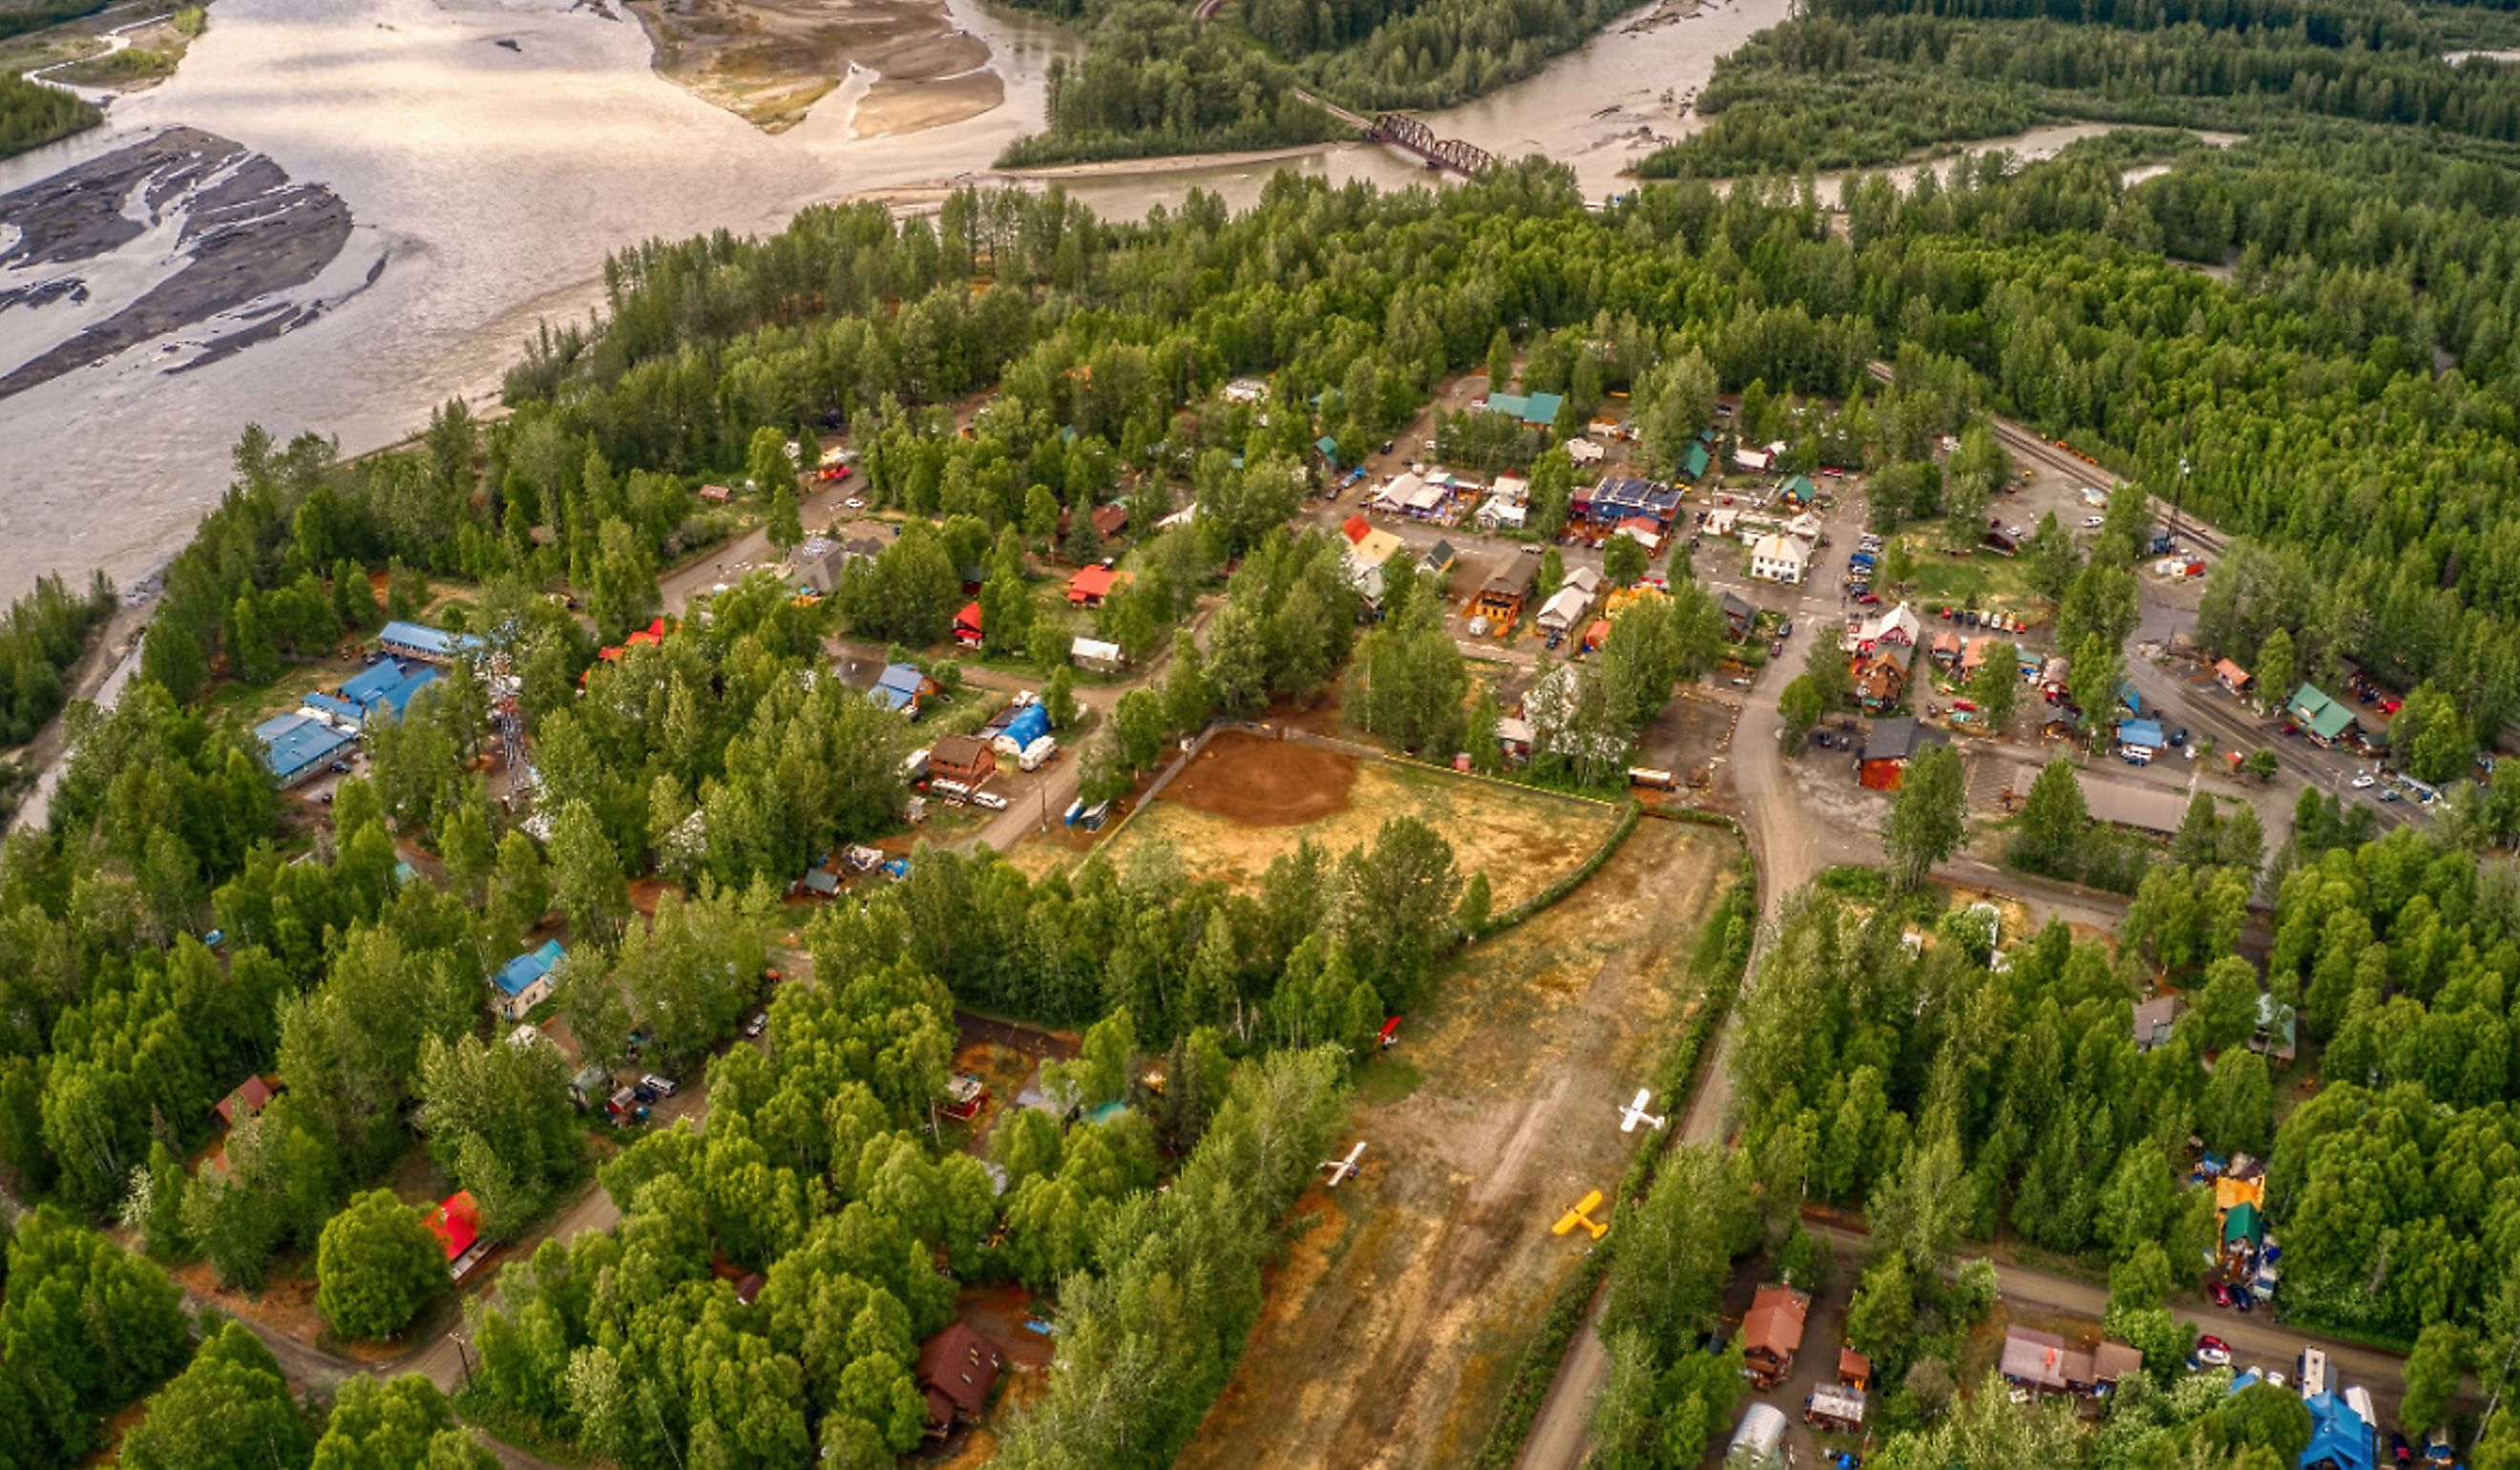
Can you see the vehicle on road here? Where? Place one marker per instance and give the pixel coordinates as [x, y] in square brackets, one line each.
[2212, 1351]
[2247, 1301]
[2364, 780]
[1785, 628]
[2095, 522]
[2390, 793]
[990, 800]
[664, 1086]
[759, 1023]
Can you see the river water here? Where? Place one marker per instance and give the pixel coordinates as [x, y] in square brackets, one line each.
[490, 180]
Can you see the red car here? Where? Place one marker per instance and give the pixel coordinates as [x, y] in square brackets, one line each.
[2221, 1293]
[2210, 1342]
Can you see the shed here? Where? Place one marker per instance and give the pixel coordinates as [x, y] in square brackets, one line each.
[1759, 1444]
[2232, 676]
[1835, 1407]
[250, 1097]
[1694, 461]
[1097, 655]
[967, 625]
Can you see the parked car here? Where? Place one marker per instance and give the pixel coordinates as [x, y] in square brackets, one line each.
[1785, 628]
[2209, 1343]
[643, 1093]
[2247, 1301]
[2095, 522]
[989, 799]
[2221, 1293]
[2212, 1357]
[664, 1086]
[759, 1023]
[2364, 781]
[2390, 793]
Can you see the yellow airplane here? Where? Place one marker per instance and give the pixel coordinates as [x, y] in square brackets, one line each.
[1582, 1215]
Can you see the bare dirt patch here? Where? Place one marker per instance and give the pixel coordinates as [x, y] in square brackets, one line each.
[910, 106]
[1232, 817]
[1259, 783]
[1389, 1324]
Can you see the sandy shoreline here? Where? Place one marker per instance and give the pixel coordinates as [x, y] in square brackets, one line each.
[772, 62]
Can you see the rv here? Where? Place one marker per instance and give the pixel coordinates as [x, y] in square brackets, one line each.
[1039, 753]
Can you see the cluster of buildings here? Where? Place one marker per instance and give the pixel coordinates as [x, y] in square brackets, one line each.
[304, 742]
[2043, 1364]
[1882, 653]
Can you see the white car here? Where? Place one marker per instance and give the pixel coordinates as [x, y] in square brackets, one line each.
[759, 1023]
[2214, 1358]
[2095, 522]
[2364, 781]
[989, 799]
[662, 1086]
[855, 503]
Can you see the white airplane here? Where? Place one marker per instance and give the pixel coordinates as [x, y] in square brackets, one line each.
[1343, 1170]
[1635, 1113]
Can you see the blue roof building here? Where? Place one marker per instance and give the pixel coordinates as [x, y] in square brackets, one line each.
[388, 684]
[2339, 1439]
[2142, 733]
[419, 641]
[332, 707]
[901, 687]
[297, 745]
[524, 982]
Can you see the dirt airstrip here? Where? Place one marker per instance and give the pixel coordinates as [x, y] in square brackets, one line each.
[1394, 1321]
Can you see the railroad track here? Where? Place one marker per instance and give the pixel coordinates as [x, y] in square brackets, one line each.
[2027, 445]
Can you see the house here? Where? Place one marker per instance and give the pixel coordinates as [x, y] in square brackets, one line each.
[1564, 608]
[1894, 626]
[1091, 585]
[1514, 738]
[525, 981]
[967, 625]
[1245, 390]
[823, 560]
[298, 746]
[1739, 617]
[1584, 579]
[1889, 749]
[1798, 490]
[1513, 489]
[1531, 410]
[1437, 561]
[1501, 596]
[2155, 1019]
[1944, 649]
[1327, 448]
[968, 759]
[1642, 531]
[1694, 461]
[2232, 676]
[1097, 656]
[2323, 719]
[2054, 677]
[1583, 451]
[1751, 460]
[457, 1224]
[2340, 1436]
[1625, 498]
[2151, 810]
[2143, 735]
[1376, 547]
[1108, 521]
[903, 687]
[956, 1370]
[425, 644]
[1497, 514]
[1772, 1333]
[250, 1097]
[2043, 1364]
[716, 495]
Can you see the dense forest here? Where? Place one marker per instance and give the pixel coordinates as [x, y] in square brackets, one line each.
[32, 114]
[1855, 82]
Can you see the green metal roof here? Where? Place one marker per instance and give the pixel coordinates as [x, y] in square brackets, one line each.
[2320, 715]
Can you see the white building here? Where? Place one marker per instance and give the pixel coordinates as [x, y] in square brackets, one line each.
[1780, 559]
[1583, 451]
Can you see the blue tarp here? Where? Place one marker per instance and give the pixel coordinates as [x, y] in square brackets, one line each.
[1030, 724]
[2143, 732]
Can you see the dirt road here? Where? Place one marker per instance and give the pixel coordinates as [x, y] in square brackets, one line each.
[1399, 1313]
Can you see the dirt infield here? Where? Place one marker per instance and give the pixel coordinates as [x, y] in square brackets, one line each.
[1395, 1320]
[1263, 782]
[1258, 797]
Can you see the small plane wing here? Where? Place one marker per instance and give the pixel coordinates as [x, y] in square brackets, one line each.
[1644, 1096]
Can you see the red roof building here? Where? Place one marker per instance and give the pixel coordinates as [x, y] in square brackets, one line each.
[457, 1224]
[249, 1098]
[956, 1370]
[967, 625]
[654, 633]
[1087, 587]
[1356, 528]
